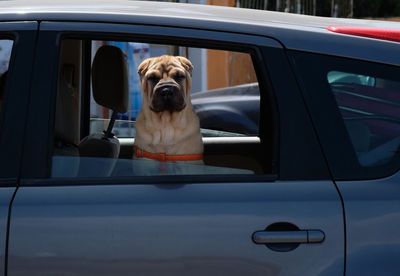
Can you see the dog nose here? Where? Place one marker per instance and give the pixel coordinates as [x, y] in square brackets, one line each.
[166, 92]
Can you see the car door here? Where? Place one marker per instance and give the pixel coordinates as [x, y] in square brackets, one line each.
[361, 102]
[17, 40]
[287, 221]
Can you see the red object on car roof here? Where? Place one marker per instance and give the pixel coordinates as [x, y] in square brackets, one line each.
[378, 33]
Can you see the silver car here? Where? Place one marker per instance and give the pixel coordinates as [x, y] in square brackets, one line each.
[312, 188]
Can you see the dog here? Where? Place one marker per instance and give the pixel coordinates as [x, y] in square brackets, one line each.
[167, 128]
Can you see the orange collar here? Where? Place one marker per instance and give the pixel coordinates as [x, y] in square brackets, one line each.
[164, 157]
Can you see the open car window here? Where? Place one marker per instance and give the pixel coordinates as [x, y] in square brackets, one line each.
[224, 95]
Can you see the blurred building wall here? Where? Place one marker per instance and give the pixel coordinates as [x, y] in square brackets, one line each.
[226, 68]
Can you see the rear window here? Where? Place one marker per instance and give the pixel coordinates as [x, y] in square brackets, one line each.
[370, 107]
[355, 106]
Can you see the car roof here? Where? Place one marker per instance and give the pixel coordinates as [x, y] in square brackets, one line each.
[297, 32]
[64, 9]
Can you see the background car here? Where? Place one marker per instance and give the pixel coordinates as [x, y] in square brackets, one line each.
[234, 109]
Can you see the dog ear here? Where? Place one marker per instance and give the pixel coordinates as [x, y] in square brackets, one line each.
[186, 64]
[142, 68]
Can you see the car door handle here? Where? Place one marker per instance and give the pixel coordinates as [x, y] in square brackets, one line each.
[300, 236]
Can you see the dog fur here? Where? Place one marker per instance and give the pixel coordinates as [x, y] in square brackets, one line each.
[167, 122]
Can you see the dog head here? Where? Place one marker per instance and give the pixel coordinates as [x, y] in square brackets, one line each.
[166, 82]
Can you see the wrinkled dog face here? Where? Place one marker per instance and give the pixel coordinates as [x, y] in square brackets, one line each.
[166, 82]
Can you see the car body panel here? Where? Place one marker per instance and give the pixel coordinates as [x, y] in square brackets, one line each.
[6, 194]
[372, 223]
[191, 229]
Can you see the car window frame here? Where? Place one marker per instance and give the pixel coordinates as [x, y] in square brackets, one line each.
[218, 40]
[241, 45]
[16, 94]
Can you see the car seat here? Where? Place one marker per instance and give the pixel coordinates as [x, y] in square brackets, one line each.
[110, 90]
[66, 152]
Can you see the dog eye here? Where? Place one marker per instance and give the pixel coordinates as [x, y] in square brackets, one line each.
[153, 79]
[179, 78]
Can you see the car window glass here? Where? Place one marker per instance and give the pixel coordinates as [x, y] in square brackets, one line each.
[355, 106]
[224, 97]
[341, 77]
[5, 54]
[370, 107]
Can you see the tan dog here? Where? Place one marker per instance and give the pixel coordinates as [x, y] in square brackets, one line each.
[167, 128]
